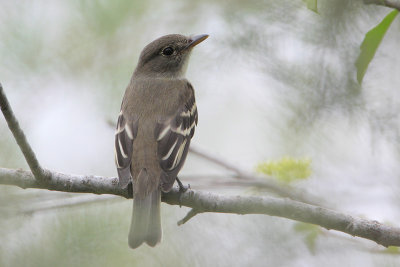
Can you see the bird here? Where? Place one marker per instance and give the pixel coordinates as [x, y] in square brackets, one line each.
[155, 125]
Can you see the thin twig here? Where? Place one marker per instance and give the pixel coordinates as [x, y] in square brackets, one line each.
[247, 178]
[66, 202]
[189, 215]
[19, 136]
[217, 160]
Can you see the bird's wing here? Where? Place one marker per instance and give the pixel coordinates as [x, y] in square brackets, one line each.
[173, 137]
[125, 133]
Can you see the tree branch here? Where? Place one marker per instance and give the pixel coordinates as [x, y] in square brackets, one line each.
[202, 202]
[388, 3]
[207, 202]
[19, 136]
[63, 182]
[199, 201]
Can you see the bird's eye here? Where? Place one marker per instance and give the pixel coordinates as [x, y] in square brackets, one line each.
[168, 51]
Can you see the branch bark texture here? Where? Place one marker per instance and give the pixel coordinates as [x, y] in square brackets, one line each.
[201, 202]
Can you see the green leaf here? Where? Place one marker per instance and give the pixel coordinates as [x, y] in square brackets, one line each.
[286, 169]
[311, 232]
[371, 43]
[312, 5]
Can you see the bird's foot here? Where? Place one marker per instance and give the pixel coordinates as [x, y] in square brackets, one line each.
[182, 189]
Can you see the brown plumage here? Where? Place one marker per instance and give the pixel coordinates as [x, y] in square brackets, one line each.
[156, 123]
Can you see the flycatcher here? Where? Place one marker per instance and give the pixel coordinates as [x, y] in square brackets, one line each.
[156, 123]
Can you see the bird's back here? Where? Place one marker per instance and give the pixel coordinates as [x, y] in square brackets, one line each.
[144, 153]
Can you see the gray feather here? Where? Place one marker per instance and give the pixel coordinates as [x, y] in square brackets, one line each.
[146, 220]
[125, 134]
[173, 137]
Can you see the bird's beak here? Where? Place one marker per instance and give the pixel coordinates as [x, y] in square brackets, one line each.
[195, 40]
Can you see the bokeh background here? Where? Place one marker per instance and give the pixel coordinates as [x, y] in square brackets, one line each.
[273, 80]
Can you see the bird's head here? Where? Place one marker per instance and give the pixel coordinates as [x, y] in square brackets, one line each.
[167, 56]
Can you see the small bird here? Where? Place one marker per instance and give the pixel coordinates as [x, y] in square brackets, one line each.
[156, 123]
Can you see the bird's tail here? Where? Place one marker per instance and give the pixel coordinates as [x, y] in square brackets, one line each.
[146, 220]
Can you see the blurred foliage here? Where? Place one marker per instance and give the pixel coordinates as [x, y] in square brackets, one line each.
[371, 43]
[286, 169]
[106, 17]
[66, 235]
[311, 232]
[392, 250]
[312, 5]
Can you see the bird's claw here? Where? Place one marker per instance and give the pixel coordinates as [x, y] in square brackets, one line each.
[182, 190]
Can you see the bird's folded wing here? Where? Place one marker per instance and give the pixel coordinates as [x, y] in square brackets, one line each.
[125, 133]
[173, 136]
